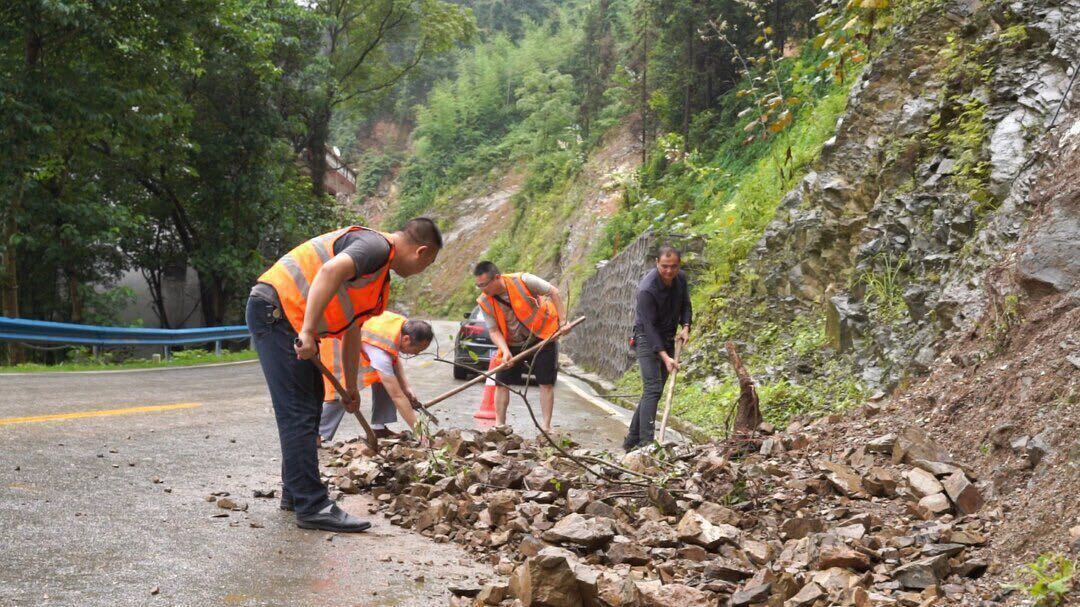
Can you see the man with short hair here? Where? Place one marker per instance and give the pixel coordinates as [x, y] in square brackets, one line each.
[384, 339]
[521, 310]
[327, 286]
[662, 316]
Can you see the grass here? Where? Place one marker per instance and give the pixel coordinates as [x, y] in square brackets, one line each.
[184, 358]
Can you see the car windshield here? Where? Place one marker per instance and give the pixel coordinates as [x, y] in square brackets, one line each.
[476, 314]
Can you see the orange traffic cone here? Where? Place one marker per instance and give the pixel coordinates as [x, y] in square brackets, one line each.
[487, 404]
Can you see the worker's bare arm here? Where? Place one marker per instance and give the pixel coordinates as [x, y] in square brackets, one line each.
[401, 401]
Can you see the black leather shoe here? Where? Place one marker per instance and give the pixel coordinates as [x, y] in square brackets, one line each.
[335, 520]
[287, 504]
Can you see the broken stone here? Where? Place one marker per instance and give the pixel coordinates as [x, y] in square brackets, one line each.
[576, 529]
[881, 444]
[578, 499]
[808, 595]
[693, 528]
[923, 573]
[631, 554]
[844, 479]
[673, 595]
[914, 444]
[1037, 448]
[510, 475]
[799, 527]
[967, 498]
[545, 581]
[936, 504]
[657, 534]
[727, 570]
[922, 483]
[493, 594]
[880, 482]
[752, 594]
[843, 557]
[759, 553]
[663, 500]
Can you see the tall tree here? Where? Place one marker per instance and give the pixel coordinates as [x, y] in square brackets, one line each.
[370, 46]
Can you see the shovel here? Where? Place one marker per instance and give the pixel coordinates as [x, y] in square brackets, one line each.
[372, 440]
[671, 391]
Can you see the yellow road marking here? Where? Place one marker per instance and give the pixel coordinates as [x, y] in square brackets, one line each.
[4, 421]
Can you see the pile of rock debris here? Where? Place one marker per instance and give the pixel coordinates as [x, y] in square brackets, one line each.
[766, 520]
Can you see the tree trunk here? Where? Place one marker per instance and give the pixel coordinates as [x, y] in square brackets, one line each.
[75, 298]
[748, 415]
[778, 26]
[645, 93]
[212, 300]
[688, 89]
[318, 135]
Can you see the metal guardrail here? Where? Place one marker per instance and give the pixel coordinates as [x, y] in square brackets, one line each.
[38, 331]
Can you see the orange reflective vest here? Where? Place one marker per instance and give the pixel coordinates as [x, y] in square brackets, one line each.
[330, 354]
[541, 318]
[384, 333]
[355, 301]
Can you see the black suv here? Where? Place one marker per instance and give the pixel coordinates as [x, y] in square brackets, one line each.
[473, 346]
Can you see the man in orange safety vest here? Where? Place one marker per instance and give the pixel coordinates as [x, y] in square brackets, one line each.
[326, 286]
[521, 310]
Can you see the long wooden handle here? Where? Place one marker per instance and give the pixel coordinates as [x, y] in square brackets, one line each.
[509, 363]
[671, 391]
[372, 440]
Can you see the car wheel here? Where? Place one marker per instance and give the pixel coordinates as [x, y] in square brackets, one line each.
[460, 372]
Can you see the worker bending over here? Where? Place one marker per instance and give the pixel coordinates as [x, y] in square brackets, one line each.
[327, 286]
[383, 340]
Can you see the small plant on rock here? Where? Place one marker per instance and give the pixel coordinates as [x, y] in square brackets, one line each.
[1049, 579]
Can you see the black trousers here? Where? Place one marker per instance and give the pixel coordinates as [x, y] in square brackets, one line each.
[296, 390]
[653, 377]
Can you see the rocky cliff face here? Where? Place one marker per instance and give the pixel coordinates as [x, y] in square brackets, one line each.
[926, 185]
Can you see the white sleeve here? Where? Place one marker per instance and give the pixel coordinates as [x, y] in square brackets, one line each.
[380, 360]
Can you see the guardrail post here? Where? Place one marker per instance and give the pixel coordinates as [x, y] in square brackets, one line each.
[217, 348]
[168, 353]
[95, 352]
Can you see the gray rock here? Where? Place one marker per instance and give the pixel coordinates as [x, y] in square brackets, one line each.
[923, 573]
[576, 529]
[1050, 258]
[1038, 447]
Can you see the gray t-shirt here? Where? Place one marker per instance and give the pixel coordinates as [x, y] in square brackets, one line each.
[519, 333]
[369, 251]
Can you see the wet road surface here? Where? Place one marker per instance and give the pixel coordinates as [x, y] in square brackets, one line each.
[104, 509]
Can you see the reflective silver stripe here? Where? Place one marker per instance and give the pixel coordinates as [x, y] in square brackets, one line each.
[519, 286]
[293, 268]
[321, 245]
[380, 340]
[339, 370]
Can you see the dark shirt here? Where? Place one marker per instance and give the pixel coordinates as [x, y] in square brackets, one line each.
[661, 310]
[369, 251]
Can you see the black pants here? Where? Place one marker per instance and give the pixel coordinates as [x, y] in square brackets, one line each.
[653, 377]
[296, 389]
[544, 364]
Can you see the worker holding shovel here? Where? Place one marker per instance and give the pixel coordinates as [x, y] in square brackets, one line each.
[661, 326]
[384, 339]
[327, 286]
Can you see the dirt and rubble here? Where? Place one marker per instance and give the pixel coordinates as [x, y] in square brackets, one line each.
[777, 518]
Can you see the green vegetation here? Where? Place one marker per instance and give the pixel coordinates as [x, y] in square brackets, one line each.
[884, 291]
[80, 359]
[1048, 580]
[153, 136]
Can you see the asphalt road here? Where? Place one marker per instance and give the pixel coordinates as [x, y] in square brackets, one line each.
[106, 509]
